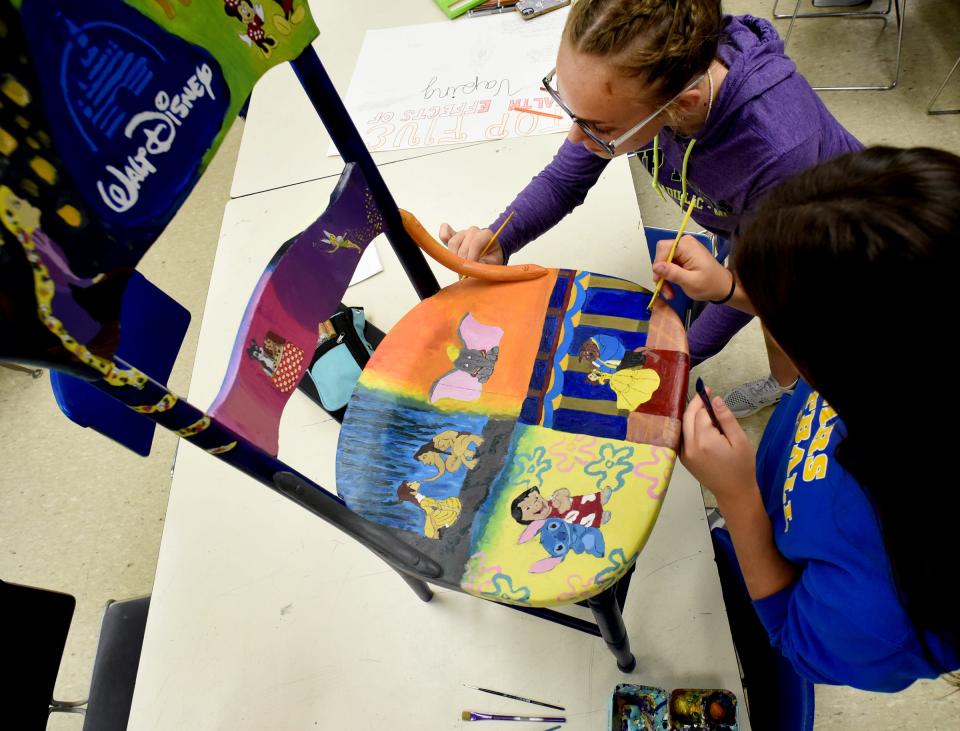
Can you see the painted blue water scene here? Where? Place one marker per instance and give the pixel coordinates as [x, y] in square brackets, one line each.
[403, 465]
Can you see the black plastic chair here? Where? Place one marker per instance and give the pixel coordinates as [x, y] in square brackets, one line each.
[36, 623]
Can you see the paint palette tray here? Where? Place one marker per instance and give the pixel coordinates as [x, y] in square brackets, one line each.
[696, 709]
[645, 708]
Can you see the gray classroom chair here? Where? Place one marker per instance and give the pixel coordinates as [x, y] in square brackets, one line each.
[930, 109]
[899, 8]
[34, 624]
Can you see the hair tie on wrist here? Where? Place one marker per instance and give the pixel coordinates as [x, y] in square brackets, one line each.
[733, 288]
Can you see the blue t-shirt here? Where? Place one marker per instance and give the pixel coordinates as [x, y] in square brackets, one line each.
[840, 621]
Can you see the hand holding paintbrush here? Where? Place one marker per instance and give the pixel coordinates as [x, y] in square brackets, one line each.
[492, 239]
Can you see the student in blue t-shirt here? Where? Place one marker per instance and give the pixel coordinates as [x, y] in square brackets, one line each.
[844, 524]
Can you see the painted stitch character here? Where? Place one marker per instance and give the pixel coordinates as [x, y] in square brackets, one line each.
[586, 510]
[246, 12]
[473, 364]
[448, 451]
[438, 514]
[558, 538]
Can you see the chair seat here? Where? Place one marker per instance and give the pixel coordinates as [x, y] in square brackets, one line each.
[521, 434]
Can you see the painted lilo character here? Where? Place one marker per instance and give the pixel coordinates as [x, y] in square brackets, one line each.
[585, 510]
[562, 523]
[473, 363]
[438, 514]
[448, 451]
[246, 12]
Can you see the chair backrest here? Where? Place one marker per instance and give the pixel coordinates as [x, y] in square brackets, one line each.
[115, 665]
[34, 623]
[110, 112]
[301, 287]
[152, 327]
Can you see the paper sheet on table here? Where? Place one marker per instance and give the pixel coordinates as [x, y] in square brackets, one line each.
[368, 265]
[450, 83]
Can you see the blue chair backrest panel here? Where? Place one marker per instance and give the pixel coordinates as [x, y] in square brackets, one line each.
[157, 325]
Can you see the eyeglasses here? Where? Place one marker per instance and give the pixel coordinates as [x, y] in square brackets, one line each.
[612, 145]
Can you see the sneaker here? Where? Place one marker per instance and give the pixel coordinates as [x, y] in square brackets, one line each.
[756, 395]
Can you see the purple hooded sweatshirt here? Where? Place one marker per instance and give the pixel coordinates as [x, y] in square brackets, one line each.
[765, 126]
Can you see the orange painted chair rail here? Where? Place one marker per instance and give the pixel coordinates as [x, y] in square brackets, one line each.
[441, 254]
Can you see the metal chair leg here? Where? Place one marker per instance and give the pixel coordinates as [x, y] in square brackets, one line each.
[420, 588]
[606, 610]
[930, 109]
[899, 13]
[34, 372]
[833, 13]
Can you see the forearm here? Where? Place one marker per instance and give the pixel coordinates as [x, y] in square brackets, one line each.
[764, 568]
[740, 300]
[559, 188]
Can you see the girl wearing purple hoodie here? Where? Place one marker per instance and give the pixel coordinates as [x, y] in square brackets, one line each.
[716, 113]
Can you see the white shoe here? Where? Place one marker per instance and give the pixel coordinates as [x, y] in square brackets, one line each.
[751, 397]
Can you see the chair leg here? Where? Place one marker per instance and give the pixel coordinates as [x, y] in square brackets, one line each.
[606, 611]
[900, 15]
[419, 587]
[930, 109]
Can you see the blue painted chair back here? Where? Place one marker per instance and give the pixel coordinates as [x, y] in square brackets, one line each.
[681, 302]
[152, 327]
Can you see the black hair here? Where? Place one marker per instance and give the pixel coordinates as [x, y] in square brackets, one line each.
[515, 505]
[840, 263]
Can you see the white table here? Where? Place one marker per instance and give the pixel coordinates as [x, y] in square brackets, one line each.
[264, 617]
[282, 124]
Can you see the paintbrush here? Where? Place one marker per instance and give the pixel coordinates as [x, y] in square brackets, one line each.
[673, 249]
[478, 716]
[492, 239]
[534, 111]
[702, 392]
[516, 697]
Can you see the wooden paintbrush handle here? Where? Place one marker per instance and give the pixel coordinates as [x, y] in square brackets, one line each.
[441, 254]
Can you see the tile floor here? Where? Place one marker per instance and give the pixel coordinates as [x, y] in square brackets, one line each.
[83, 515]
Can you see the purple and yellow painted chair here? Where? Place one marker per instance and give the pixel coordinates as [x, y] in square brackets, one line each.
[514, 434]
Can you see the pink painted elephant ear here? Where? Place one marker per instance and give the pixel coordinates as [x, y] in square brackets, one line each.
[478, 336]
[531, 531]
[457, 385]
[545, 564]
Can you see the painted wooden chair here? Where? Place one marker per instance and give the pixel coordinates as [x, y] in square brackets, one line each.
[532, 433]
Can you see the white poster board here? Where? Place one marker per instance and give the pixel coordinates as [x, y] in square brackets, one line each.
[451, 83]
